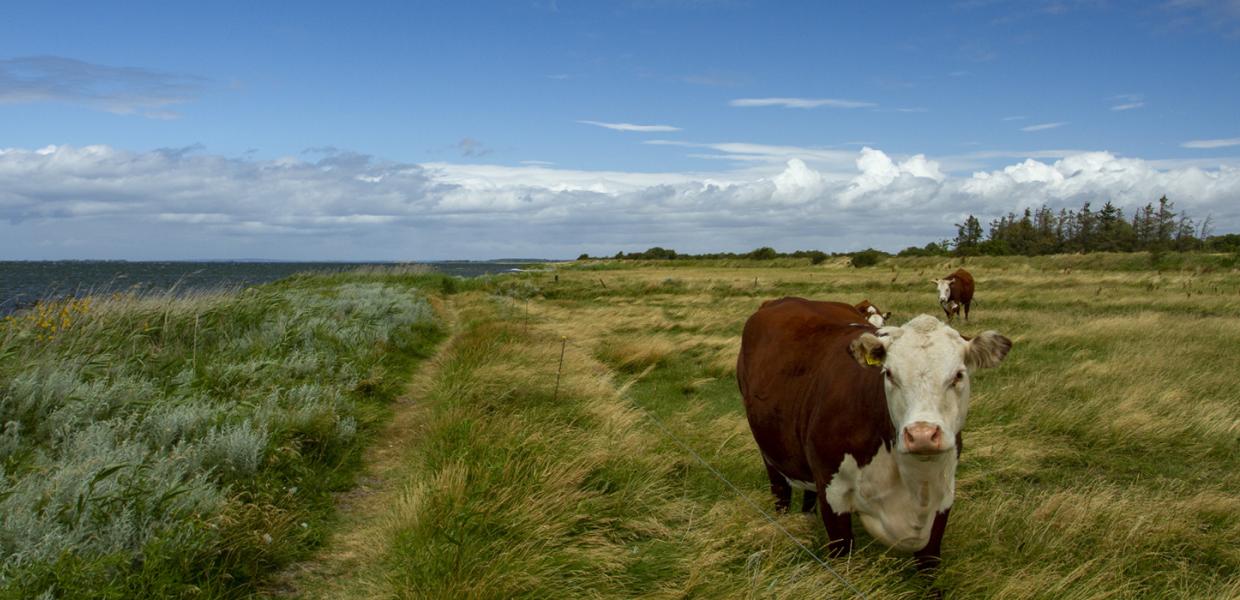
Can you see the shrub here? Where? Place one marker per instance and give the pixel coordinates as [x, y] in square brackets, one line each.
[867, 258]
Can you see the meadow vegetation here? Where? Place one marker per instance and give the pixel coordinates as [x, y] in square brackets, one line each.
[160, 446]
[1100, 460]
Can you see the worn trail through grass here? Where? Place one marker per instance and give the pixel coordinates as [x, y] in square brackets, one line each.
[330, 573]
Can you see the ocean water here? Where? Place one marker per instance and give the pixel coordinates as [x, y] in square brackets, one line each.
[24, 282]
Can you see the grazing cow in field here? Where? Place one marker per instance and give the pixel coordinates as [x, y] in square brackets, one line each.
[872, 314]
[955, 291]
[862, 419]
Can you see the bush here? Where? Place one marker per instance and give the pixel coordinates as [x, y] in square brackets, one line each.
[763, 253]
[867, 258]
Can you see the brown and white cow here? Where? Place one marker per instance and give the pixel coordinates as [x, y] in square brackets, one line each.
[955, 291]
[866, 420]
[872, 314]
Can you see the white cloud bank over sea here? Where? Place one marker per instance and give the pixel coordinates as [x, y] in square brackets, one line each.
[105, 202]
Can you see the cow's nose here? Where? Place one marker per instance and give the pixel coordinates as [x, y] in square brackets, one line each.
[923, 438]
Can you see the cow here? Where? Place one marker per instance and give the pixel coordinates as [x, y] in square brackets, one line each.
[872, 314]
[865, 311]
[955, 291]
[865, 420]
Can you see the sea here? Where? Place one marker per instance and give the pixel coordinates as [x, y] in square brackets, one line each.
[22, 283]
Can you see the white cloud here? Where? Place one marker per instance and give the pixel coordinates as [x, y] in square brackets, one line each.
[1218, 143]
[1044, 126]
[800, 103]
[103, 202]
[632, 127]
[1128, 106]
[1015, 118]
[765, 153]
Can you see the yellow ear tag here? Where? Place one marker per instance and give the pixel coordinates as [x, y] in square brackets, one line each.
[873, 362]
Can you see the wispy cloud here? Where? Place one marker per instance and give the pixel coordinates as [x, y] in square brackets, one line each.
[631, 126]
[1044, 126]
[1205, 144]
[119, 90]
[801, 102]
[1015, 118]
[1128, 101]
[748, 152]
[916, 109]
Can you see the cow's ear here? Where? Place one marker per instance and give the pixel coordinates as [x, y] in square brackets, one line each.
[887, 317]
[869, 350]
[986, 350]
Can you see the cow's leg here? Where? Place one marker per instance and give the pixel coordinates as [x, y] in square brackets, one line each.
[808, 498]
[839, 527]
[966, 310]
[780, 488]
[839, 531]
[928, 557]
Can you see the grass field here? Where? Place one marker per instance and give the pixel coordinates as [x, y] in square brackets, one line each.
[1101, 459]
[168, 447]
[156, 447]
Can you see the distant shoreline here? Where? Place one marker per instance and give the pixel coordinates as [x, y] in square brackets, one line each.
[23, 283]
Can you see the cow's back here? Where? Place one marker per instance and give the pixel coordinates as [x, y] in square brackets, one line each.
[962, 286]
[798, 382]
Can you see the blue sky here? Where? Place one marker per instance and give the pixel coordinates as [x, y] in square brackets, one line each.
[473, 130]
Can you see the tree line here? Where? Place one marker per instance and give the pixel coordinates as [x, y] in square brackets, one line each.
[1156, 227]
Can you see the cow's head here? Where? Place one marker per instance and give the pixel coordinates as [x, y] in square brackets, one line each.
[873, 316]
[926, 367]
[945, 289]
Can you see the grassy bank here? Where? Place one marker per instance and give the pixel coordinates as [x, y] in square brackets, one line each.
[1101, 460]
[173, 447]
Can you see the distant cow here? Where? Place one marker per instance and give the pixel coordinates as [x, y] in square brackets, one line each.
[955, 291]
[862, 419]
[872, 314]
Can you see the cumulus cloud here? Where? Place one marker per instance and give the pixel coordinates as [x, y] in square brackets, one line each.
[800, 103]
[631, 127]
[120, 90]
[1218, 143]
[1044, 126]
[185, 203]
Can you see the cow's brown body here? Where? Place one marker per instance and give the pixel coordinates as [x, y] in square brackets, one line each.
[809, 403]
[961, 294]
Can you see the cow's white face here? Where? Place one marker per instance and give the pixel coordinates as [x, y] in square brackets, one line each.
[926, 368]
[945, 290]
[874, 318]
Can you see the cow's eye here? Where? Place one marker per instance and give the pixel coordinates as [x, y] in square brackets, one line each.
[890, 377]
[959, 378]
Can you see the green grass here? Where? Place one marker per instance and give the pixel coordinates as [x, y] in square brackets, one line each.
[1101, 460]
[167, 446]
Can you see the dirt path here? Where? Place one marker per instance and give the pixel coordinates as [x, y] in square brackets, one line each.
[331, 572]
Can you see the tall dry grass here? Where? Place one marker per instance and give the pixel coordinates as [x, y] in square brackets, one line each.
[1100, 461]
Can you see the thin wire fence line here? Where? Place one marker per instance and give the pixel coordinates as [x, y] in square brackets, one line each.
[735, 490]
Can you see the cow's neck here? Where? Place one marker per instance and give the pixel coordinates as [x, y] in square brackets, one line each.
[899, 495]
